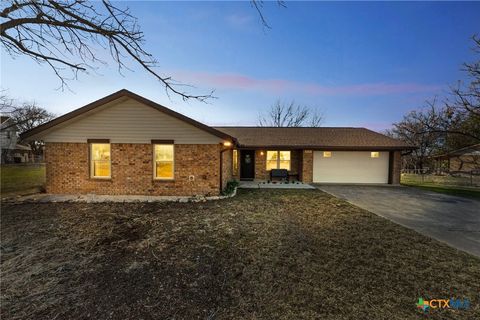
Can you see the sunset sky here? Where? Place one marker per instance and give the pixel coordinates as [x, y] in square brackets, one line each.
[360, 63]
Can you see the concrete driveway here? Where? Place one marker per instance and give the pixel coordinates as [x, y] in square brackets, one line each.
[453, 220]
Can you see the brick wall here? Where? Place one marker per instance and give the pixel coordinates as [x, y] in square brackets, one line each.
[396, 167]
[307, 166]
[226, 167]
[132, 170]
[261, 165]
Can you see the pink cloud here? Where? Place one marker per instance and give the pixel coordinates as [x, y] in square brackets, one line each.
[243, 82]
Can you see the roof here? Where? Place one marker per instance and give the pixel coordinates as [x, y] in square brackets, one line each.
[469, 150]
[4, 118]
[332, 138]
[117, 95]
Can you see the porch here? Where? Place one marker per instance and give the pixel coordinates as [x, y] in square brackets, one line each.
[254, 165]
[266, 184]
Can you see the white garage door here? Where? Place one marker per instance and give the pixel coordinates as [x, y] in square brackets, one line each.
[350, 167]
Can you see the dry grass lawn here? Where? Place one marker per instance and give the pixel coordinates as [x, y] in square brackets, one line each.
[265, 254]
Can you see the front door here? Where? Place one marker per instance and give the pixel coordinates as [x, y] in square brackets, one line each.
[247, 164]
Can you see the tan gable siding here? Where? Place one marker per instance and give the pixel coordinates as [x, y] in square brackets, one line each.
[129, 121]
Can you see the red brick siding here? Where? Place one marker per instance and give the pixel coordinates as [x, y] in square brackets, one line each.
[396, 167]
[132, 170]
[261, 165]
[307, 166]
[226, 167]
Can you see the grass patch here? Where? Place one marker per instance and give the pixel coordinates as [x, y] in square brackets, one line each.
[455, 186]
[265, 254]
[16, 178]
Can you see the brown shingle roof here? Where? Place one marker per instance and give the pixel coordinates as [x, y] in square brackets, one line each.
[322, 138]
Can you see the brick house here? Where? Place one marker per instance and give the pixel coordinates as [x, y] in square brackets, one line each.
[126, 144]
[464, 160]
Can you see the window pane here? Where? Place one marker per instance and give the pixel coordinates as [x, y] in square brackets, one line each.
[235, 162]
[285, 164]
[164, 161]
[101, 168]
[164, 170]
[100, 151]
[100, 159]
[272, 155]
[164, 152]
[271, 164]
[284, 155]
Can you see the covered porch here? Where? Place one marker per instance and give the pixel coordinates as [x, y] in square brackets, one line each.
[255, 165]
[264, 184]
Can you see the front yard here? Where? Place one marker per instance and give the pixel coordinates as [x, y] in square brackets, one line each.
[265, 254]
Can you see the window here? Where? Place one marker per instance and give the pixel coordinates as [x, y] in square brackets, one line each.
[374, 154]
[100, 162]
[327, 154]
[163, 161]
[278, 160]
[235, 162]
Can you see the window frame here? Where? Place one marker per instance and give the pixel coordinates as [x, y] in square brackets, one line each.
[278, 159]
[154, 160]
[92, 161]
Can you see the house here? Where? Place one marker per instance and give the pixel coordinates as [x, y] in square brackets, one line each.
[464, 159]
[12, 151]
[126, 144]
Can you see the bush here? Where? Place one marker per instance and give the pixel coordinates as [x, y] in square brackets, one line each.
[231, 185]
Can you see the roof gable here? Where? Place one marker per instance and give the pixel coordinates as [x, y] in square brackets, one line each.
[89, 109]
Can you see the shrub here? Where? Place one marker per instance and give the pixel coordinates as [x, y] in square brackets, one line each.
[231, 185]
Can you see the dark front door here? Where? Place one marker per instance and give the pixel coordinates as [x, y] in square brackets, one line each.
[247, 164]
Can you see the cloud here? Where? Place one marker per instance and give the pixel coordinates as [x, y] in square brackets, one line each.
[243, 82]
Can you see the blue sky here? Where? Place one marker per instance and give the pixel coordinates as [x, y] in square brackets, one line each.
[360, 63]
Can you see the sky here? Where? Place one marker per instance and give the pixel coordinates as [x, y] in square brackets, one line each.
[360, 64]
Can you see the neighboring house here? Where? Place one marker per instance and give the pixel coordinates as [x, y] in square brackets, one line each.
[464, 159]
[126, 144]
[12, 151]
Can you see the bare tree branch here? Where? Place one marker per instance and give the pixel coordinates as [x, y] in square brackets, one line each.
[290, 115]
[67, 34]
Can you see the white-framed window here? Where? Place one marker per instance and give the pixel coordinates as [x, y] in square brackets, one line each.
[278, 160]
[100, 161]
[163, 161]
[327, 154]
[374, 154]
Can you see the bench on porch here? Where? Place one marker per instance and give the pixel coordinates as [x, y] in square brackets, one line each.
[281, 174]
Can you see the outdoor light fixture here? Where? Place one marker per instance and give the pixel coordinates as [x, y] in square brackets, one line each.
[261, 153]
[227, 143]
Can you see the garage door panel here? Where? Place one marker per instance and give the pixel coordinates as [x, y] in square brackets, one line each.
[350, 167]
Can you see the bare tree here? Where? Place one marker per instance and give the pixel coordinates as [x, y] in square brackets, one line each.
[457, 118]
[24, 116]
[412, 130]
[65, 35]
[289, 115]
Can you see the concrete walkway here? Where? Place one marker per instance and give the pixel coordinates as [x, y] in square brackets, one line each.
[450, 219]
[260, 184]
